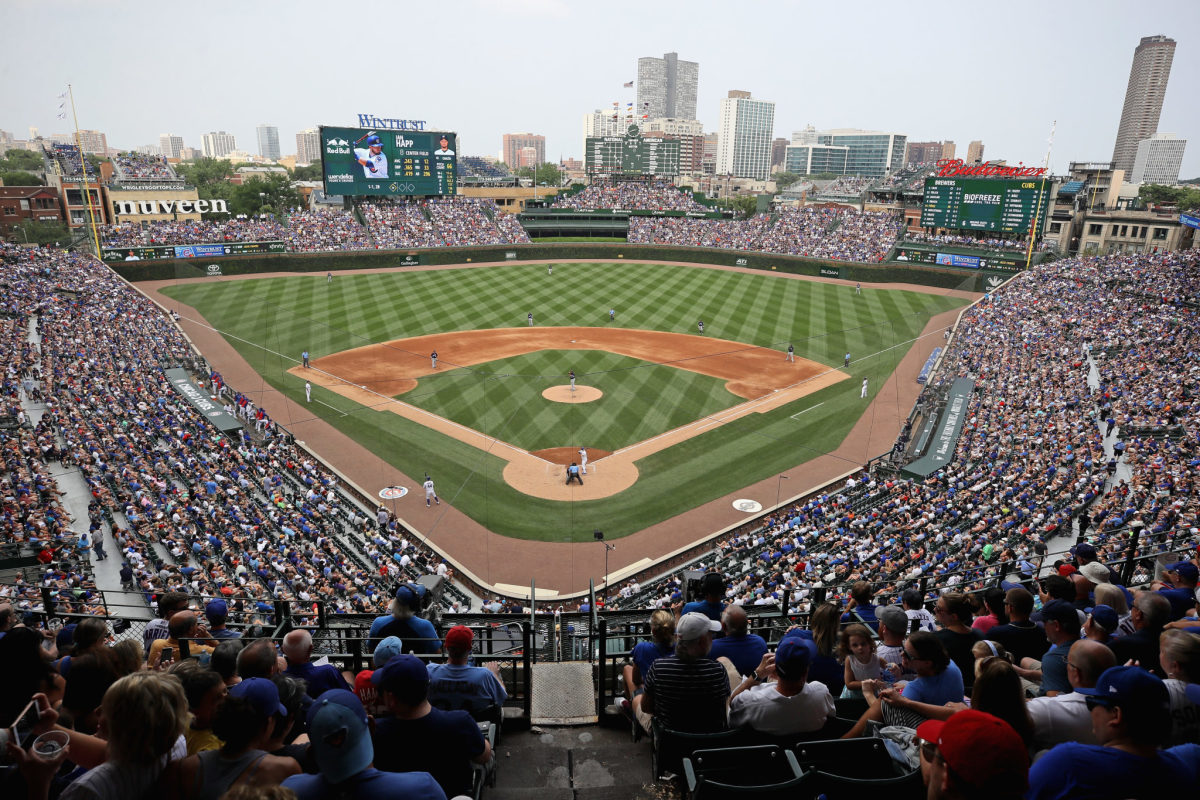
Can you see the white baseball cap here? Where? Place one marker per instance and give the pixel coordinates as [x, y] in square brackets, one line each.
[693, 625]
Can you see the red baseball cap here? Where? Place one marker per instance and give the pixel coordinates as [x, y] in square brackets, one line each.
[980, 749]
[1065, 569]
[460, 637]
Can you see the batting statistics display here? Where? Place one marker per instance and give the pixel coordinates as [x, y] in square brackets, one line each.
[631, 154]
[982, 204]
[358, 161]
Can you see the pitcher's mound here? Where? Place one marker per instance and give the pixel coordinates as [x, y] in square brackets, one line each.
[563, 394]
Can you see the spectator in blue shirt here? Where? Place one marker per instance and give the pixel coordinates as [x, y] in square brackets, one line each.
[297, 649]
[712, 586]
[860, 603]
[743, 649]
[1179, 588]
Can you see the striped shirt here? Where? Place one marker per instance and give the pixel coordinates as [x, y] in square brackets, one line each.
[689, 696]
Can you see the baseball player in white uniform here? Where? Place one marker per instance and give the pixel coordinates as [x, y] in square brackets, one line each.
[529, 318]
[430, 494]
[864, 388]
[572, 380]
[791, 355]
[307, 392]
[583, 459]
[372, 159]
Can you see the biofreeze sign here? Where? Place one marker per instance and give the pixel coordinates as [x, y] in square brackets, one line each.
[139, 207]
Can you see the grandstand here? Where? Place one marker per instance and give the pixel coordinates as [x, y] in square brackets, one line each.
[134, 167]
[477, 171]
[65, 161]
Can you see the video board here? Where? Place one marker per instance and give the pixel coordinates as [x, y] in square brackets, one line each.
[365, 161]
[983, 204]
[631, 154]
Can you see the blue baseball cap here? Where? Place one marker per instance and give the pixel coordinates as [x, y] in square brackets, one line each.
[216, 609]
[1186, 570]
[66, 635]
[402, 670]
[1105, 617]
[792, 658]
[341, 740]
[374, 140]
[262, 694]
[386, 650]
[1130, 686]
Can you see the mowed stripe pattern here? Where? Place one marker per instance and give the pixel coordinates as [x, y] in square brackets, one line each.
[271, 320]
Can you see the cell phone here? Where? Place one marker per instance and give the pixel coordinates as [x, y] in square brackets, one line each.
[168, 654]
[21, 732]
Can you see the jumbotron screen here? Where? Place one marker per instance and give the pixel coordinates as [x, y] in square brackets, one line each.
[982, 204]
[363, 161]
[631, 154]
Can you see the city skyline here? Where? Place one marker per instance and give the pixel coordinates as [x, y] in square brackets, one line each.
[967, 84]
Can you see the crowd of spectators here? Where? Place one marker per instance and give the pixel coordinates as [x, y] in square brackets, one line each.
[475, 166]
[442, 222]
[140, 165]
[325, 231]
[1019, 245]
[237, 229]
[396, 224]
[811, 231]
[905, 178]
[70, 162]
[630, 196]
[844, 186]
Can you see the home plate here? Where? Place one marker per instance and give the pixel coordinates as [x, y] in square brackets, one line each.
[748, 506]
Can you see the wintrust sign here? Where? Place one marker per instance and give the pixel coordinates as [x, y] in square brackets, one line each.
[140, 207]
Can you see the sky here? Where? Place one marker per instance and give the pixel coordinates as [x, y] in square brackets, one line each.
[1000, 72]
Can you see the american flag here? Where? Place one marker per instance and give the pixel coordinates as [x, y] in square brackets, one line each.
[629, 85]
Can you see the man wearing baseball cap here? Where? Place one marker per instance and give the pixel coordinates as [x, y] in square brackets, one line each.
[418, 736]
[687, 691]
[1061, 623]
[341, 743]
[460, 685]
[973, 756]
[216, 611]
[418, 634]
[777, 699]
[1101, 623]
[1131, 717]
[1179, 588]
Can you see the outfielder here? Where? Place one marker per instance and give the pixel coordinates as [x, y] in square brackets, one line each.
[612, 315]
[529, 317]
[791, 355]
[372, 159]
[583, 459]
[864, 388]
[700, 325]
[430, 494]
[549, 269]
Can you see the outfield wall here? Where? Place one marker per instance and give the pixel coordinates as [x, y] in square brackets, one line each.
[947, 278]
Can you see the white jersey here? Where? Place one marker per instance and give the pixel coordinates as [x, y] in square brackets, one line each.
[376, 161]
[429, 488]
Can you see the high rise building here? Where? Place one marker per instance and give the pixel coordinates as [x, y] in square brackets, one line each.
[308, 146]
[746, 129]
[778, 151]
[513, 143]
[1143, 97]
[975, 152]
[217, 144]
[666, 87]
[815, 159]
[690, 135]
[928, 152]
[1158, 159]
[948, 148]
[607, 123]
[171, 145]
[268, 142]
[871, 154]
[93, 142]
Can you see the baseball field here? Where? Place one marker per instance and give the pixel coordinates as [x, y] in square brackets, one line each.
[671, 418]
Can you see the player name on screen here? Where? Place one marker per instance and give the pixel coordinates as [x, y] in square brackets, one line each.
[364, 161]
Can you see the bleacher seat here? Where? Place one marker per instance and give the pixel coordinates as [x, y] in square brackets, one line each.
[764, 771]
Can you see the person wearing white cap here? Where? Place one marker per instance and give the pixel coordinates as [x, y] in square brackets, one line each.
[687, 691]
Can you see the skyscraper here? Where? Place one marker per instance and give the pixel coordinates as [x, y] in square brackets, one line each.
[93, 142]
[1158, 159]
[975, 152]
[268, 141]
[308, 146]
[744, 142]
[666, 87]
[514, 143]
[1143, 97]
[171, 145]
[217, 144]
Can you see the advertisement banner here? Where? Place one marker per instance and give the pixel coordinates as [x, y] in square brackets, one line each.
[357, 161]
[831, 272]
[1190, 220]
[410, 260]
[160, 252]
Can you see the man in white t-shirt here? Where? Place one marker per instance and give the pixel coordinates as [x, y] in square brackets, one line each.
[789, 704]
[1066, 717]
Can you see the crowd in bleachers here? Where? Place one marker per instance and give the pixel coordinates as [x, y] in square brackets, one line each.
[237, 229]
[397, 224]
[325, 231]
[1019, 245]
[141, 165]
[906, 178]
[844, 186]
[475, 166]
[70, 162]
[809, 231]
[441, 222]
[630, 196]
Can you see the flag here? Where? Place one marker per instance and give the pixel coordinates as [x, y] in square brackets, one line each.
[629, 85]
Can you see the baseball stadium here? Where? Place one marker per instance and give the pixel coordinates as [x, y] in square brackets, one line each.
[533, 435]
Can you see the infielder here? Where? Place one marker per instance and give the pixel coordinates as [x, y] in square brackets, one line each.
[433, 358]
[529, 317]
[583, 459]
[864, 388]
[304, 356]
[307, 392]
[372, 159]
[791, 355]
[572, 380]
[430, 494]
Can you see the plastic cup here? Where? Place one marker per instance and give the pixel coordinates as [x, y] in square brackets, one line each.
[50, 745]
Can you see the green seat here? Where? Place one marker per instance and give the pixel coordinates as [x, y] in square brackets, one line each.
[763, 771]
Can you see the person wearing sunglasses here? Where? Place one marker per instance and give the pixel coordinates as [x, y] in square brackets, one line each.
[1131, 717]
[972, 756]
[938, 682]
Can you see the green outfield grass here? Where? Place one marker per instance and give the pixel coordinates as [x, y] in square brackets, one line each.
[503, 399]
[271, 320]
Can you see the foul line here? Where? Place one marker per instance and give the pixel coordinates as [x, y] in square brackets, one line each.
[810, 408]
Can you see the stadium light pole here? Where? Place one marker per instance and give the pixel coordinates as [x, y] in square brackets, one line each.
[778, 487]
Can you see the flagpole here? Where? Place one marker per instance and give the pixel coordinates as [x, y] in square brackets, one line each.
[1041, 191]
[87, 187]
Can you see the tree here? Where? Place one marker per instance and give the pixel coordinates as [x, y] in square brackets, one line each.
[1185, 199]
[785, 179]
[309, 172]
[205, 171]
[743, 205]
[20, 179]
[41, 232]
[273, 194]
[21, 160]
[546, 173]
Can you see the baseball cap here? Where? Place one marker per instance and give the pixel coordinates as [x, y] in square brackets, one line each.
[386, 650]
[262, 694]
[341, 742]
[216, 609]
[1084, 550]
[792, 658]
[893, 618]
[1186, 570]
[1130, 686]
[460, 637]
[1060, 611]
[980, 749]
[1065, 569]
[403, 669]
[693, 625]
[1105, 617]
[1095, 572]
[373, 140]
[66, 635]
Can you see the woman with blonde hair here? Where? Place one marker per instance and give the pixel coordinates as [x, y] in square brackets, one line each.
[1179, 654]
[661, 643]
[1114, 597]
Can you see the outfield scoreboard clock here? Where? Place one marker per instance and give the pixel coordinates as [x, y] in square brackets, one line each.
[366, 161]
[983, 204]
[632, 155]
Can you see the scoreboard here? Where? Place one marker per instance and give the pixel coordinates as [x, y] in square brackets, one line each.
[363, 161]
[983, 204]
[631, 154]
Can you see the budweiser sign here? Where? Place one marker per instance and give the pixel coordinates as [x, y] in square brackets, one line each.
[951, 167]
